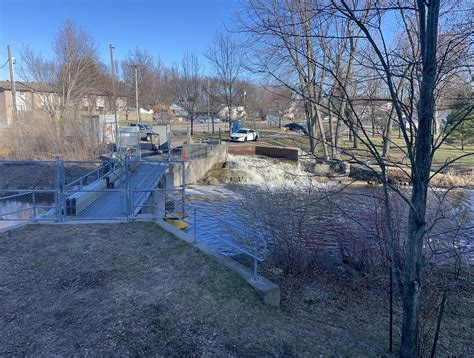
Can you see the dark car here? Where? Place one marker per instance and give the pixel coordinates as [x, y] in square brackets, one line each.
[296, 127]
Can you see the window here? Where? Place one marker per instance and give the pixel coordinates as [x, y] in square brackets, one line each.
[100, 102]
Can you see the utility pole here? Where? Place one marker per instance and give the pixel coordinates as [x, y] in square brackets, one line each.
[11, 61]
[209, 108]
[136, 92]
[245, 111]
[112, 64]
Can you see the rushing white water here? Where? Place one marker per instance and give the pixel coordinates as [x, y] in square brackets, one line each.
[272, 173]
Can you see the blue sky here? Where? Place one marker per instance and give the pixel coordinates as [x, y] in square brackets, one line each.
[166, 28]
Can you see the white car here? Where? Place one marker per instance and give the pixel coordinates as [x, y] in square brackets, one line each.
[244, 135]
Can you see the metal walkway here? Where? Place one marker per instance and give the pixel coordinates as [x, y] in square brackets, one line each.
[112, 203]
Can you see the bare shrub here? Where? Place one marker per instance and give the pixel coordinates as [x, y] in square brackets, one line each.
[350, 224]
[291, 222]
[35, 137]
[362, 232]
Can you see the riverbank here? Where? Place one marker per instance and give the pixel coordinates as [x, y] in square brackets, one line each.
[133, 289]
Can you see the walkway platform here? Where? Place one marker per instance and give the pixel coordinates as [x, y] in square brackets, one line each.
[112, 203]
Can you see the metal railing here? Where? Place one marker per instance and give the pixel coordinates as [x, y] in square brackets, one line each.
[95, 174]
[243, 240]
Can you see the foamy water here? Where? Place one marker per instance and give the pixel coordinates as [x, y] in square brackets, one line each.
[272, 173]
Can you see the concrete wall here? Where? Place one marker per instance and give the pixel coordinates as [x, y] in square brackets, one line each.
[242, 150]
[271, 152]
[195, 169]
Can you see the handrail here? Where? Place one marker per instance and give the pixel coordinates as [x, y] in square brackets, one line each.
[260, 258]
[104, 166]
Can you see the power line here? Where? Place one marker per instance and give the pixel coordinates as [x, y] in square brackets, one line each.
[4, 64]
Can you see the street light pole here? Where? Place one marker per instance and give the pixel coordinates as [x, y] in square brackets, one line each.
[136, 92]
[11, 61]
[112, 64]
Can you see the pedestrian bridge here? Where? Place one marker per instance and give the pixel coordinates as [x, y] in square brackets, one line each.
[117, 189]
[122, 191]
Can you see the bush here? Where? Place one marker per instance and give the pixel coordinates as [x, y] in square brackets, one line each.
[36, 136]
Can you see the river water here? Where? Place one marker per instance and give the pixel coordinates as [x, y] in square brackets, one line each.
[224, 213]
[278, 201]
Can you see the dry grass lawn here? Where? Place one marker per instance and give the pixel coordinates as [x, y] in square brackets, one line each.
[134, 290]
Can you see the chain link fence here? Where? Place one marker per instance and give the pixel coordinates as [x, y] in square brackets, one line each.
[119, 189]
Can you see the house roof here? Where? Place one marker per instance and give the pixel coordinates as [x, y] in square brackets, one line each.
[27, 86]
[46, 87]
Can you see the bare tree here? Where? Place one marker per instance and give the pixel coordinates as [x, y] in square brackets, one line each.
[412, 75]
[77, 64]
[63, 82]
[148, 75]
[225, 56]
[188, 85]
[37, 69]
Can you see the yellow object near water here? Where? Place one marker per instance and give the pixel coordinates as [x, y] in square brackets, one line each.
[177, 219]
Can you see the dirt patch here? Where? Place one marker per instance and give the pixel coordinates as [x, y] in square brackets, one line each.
[132, 289]
[356, 306]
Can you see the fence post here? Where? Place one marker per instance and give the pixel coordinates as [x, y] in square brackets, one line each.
[183, 184]
[169, 143]
[189, 143]
[34, 207]
[57, 188]
[220, 136]
[255, 261]
[195, 227]
[127, 187]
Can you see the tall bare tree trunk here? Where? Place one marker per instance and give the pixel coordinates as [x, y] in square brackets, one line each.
[428, 26]
[331, 130]
[311, 131]
[319, 122]
[387, 138]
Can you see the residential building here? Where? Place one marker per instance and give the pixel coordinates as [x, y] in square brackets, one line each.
[43, 97]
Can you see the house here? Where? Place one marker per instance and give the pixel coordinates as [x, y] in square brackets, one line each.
[178, 112]
[237, 112]
[31, 96]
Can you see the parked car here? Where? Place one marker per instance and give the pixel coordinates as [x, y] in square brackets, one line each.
[208, 120]
[145, 130]
[296, 127]
[244, 135]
